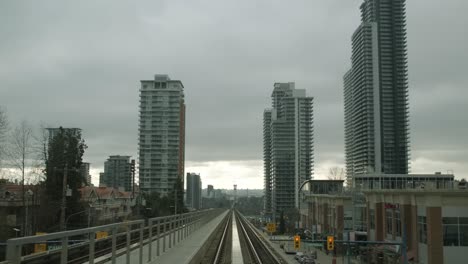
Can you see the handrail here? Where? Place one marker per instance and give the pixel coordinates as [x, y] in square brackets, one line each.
[180, 226]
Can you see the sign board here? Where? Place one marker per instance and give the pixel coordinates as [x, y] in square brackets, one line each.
[40, 247]
[101, 234]
[54, 247]
[271, 227]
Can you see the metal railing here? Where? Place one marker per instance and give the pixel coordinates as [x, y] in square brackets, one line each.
[164, 231]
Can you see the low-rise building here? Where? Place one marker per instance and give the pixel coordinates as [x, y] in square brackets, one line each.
[107, 204]
[430, 210]
[17, 215]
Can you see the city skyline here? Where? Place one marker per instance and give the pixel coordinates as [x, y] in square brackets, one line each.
[71, 81]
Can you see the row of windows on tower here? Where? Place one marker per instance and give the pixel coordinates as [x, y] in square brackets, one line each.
[157, 85]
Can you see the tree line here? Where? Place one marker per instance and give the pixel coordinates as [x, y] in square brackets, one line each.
[39, 163]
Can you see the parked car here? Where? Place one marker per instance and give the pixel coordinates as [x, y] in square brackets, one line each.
[307, 260]
[299, 255]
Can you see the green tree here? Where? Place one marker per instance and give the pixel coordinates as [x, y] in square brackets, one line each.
[177, 193]
[64, 155]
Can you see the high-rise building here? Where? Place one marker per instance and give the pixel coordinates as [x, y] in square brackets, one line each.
[194, 191]
[376, 92]
[85, 166]
[288, 146]
[267, 206]
[161, 134]
[117, 173]
[210, 191]
[56, 130]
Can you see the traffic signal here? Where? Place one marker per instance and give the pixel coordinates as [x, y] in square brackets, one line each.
[330, 243]
[297, 242]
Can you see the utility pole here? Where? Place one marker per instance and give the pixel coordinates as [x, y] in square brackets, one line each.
[64, 198]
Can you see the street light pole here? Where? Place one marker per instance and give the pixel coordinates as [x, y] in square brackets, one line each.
[299, 203]
[64, 198]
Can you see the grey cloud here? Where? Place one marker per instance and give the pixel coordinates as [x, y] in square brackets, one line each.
[79, 64]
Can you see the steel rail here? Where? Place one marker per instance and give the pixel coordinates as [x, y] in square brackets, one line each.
[252, 250]
[223, 241]
[264, 253]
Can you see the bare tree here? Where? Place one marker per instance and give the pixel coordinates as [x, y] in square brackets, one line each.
[40, 147]
[336, 173]
[19, 152]
[3, 133]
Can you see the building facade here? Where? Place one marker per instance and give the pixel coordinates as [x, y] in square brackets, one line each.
[376, 92]
[194, 191]
[84, 169]
[435, 223]
[161, 134]
[117, 173]
[105, 205]
[288, 147]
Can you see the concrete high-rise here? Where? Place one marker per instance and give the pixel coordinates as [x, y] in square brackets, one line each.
[376, 92]
[117, 173]
[194, 191]
[288, 146]
[84, 170]
[161, 134]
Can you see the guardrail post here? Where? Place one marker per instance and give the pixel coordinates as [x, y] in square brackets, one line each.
[128, 231]
[114, 243]
[150, 238]
[142, 227]
[158, 223]
[184, 230]
[91, 247]
[13, 254]
[164, 233]
[64, 251]
[170, 231]
[174, 230]
[179, 227]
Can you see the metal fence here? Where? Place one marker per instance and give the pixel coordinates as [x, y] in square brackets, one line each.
[164, 231]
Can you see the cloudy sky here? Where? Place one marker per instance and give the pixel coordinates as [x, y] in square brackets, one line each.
[78, 64]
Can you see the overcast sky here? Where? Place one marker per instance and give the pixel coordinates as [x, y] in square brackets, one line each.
[78, 64]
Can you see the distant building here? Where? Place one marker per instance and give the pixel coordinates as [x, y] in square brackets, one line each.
[161, 134]
[376, 92]
[106, 204]
[13, 214]
[288, 147]
[194, 191]
[210, 191]
[55, 131]
[117, 173]
[85, 166]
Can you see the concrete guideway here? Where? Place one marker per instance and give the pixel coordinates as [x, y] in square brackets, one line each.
[125, 242]
[183, 252]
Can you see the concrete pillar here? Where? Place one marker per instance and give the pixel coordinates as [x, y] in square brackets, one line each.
[339, 221]
[435, 243]
[379, 222]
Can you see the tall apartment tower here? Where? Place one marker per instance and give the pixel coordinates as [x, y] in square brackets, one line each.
[194, 191]
[287, 147]
[161, 134]
[376, 92]
[84, 170]
[117, 173]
